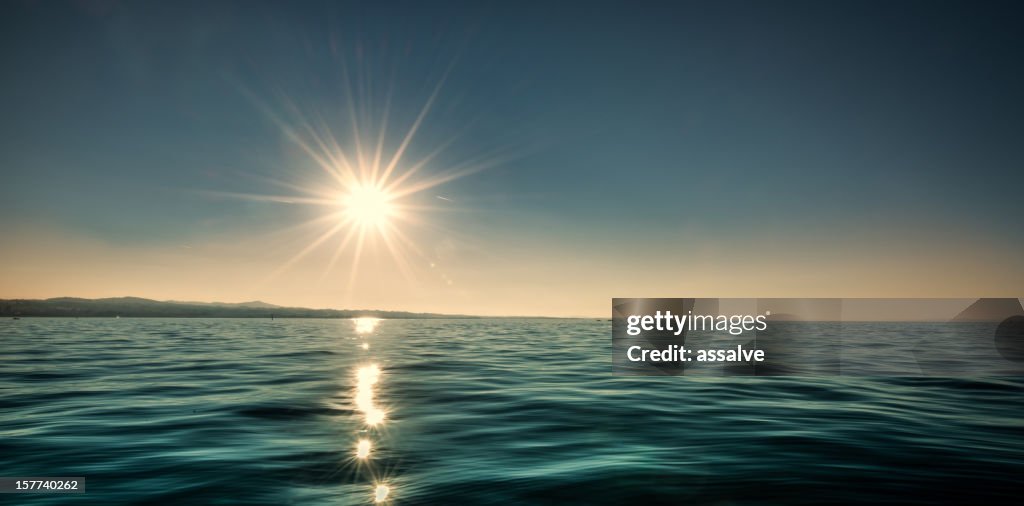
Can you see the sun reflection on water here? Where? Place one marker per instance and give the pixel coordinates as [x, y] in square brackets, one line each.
[365, 325]
[366, 377]
[363, 448]
[372, 415]
[381, 492]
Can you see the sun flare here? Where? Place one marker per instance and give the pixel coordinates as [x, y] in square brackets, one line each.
[367, 206]
[368, 184]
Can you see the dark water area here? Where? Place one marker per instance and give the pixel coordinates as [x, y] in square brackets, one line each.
[221, 411]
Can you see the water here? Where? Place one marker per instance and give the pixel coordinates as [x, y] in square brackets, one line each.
[219, 411]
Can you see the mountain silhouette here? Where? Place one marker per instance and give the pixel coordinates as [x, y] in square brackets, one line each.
[990, 310]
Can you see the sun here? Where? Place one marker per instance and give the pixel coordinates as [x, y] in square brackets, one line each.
[367, 206]
[368, 188]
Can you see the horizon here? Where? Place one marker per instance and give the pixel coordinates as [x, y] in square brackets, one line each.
[287, 306]
[925, 309]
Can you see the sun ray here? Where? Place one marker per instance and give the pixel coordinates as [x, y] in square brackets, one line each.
[357, 142]
[305, 251]
[338, 251]
[331, 158]
[364, 182]
[396, 253]
[355, 258]
[382, 135]
[290, 132]
[450, 175]
[281, 199]
[413, 169]
[414, 128]
[305, 190]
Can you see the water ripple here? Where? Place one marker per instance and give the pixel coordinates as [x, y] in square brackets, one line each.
[477, 411]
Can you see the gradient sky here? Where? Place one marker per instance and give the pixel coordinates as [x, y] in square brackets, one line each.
[734, 149]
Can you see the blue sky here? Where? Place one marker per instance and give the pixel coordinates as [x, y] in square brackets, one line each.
[803, 139]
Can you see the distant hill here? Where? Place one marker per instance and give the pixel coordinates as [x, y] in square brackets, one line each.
[139, 307]
[990, 310]
[254, 303]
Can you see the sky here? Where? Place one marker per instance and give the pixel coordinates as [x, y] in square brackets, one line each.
[574, 152]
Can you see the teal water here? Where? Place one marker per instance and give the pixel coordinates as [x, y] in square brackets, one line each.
[221, 411]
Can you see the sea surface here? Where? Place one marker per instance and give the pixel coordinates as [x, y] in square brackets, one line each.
[491, 411]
